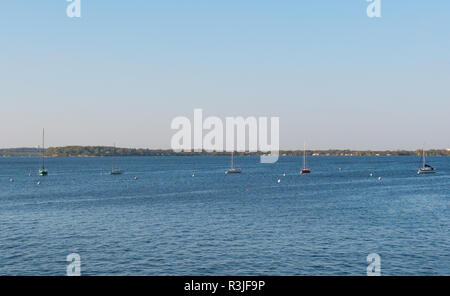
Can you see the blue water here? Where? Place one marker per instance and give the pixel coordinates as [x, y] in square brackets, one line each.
[170, 223]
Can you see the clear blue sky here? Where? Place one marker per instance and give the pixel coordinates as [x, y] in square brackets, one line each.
[121, 73]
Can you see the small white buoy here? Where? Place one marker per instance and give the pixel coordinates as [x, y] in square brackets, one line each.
[193, 175]
[11, 180]
[284, 175]
[379, 178]
[371, 174]
[279, 181]
[135, 177]
[39, 183]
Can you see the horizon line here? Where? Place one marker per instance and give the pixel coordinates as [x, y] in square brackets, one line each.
[216, 151]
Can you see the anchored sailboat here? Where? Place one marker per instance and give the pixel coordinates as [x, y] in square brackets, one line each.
[114, 170]
[43, 171]
[305, 170]
[425, 169]
[233, 170]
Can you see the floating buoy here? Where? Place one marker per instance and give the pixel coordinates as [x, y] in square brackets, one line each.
[39, 183]
[371, 174]
[11, 180]
[284, 175]
[379, 178]
[279, 181]
[135, 177]
[193, 175]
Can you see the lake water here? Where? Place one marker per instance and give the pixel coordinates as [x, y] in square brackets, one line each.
[170, 223]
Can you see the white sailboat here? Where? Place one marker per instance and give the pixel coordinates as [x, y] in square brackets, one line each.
[233, 170]
[115, 170]
[425, 169]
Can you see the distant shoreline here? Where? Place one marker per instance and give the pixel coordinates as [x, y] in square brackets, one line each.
[105, 151]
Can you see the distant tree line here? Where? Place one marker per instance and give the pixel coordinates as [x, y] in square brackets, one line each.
[334, 152]
[107, 151]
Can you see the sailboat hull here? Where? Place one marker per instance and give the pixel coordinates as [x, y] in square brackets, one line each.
[426, 171]
[116, 172]
[305, 171]
[233, 171]
[43, 172]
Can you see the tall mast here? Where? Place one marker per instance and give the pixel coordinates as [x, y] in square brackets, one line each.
[304, 155]
[423, 157]
[112, 158]
[43, 149]
[232, 162]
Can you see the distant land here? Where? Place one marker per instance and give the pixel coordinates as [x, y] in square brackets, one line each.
[99, 151]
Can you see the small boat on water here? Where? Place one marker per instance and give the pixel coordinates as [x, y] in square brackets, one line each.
[305, 170]
[114, 170]
[425, 169]
[233, 170]
[43, 171]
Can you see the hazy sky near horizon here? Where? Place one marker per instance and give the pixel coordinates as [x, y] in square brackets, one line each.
[125, 69]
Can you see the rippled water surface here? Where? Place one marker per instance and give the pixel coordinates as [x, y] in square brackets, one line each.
[169, 223]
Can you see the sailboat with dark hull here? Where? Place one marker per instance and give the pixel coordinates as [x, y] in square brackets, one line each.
[305, 170]
[426, 168]
[43, 171]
